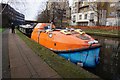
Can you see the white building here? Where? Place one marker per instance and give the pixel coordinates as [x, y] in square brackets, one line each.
[82, 14]
[111, 14]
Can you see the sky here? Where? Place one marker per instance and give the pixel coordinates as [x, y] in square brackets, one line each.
[30, 8]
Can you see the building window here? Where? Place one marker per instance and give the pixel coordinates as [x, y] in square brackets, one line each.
[85, 16]
[92, 16]
[80, 17]
[112, 14]
[112, 5]
[74, 17]
[75, 10]
[75, 4]
[118, 14]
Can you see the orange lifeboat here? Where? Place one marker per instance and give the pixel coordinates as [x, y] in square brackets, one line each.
[65, 41]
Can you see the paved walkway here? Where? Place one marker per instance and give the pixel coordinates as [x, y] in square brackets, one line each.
[24, 63]
[0, 55]
[5, 55]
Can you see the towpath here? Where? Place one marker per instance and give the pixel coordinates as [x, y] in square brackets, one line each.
[24, 63]
[0, 55]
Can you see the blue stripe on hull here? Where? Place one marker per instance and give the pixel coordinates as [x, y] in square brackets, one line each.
[89, 58]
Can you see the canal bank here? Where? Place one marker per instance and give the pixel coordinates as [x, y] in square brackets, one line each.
[103, 34]
[105, 31]
[0, 55]
[1, 29]
[63, 67]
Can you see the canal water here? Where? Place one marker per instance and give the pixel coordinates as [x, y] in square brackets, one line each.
[109, 66]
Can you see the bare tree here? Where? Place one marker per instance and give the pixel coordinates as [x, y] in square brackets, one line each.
[55, 13]
[98, 7]
[44, 15]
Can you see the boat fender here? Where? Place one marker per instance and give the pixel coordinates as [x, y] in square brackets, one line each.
[80, 64]
[68, 59]
[93, 42]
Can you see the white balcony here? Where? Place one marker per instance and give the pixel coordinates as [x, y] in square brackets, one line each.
[118, 6]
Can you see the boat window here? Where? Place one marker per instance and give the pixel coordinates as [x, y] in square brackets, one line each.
[73, 32]
[46, 27]
[49, 27]
[83, 37]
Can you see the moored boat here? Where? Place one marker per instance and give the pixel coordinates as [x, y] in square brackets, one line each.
[72, 44]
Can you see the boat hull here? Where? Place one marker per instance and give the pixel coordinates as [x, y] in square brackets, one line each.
[88, 58]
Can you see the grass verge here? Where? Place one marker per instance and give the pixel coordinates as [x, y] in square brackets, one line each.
[1, 29]
[105, 33]
[63, 67]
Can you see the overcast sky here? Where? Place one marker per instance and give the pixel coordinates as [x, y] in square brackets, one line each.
[30, 8]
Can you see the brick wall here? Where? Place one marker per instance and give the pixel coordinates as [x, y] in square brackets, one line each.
[97, 27]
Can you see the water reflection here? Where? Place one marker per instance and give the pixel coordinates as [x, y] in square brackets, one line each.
[109, 67]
